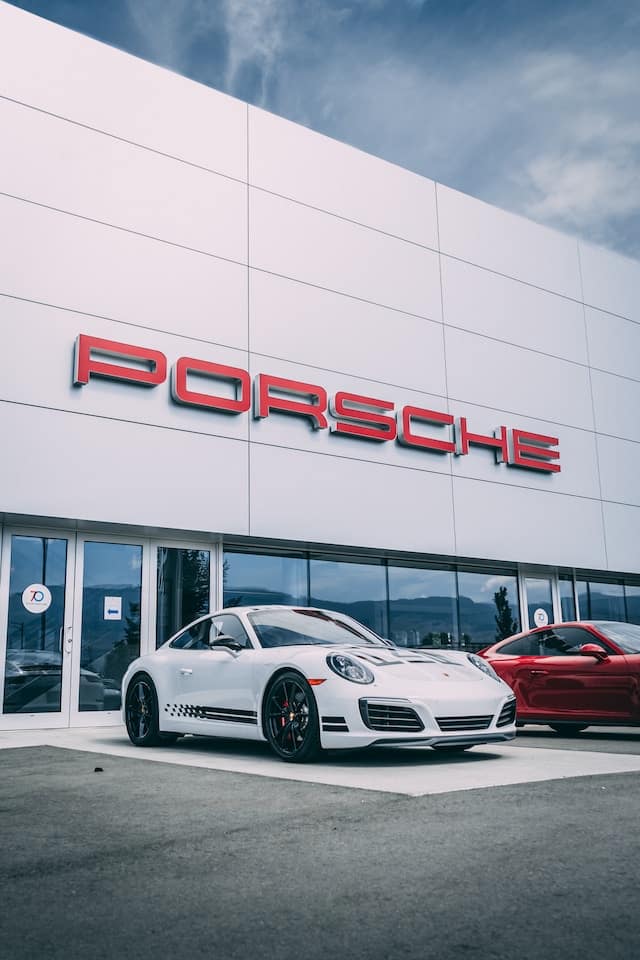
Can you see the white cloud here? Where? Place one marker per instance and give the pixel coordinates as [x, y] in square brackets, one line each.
[256, 32]
[546, 128]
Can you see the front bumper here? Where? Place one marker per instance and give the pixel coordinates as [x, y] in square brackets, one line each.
[379, 720]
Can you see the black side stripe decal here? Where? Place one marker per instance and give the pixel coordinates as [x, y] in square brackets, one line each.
[211, 713]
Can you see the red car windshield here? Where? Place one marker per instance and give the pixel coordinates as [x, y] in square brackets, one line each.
[625, 635]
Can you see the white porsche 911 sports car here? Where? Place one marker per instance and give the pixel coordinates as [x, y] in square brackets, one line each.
[305, 680]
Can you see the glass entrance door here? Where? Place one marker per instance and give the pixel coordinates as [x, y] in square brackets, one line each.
[110, 614]
[35, 623]
[538, 601]
[75, 610]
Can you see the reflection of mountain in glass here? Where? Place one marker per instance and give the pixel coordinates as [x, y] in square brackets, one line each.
[419, 621]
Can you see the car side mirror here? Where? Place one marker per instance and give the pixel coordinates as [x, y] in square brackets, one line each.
[593, 650]
[223, 640]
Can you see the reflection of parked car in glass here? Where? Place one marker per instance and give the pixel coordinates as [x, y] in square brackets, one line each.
[572, 675]
[32, 684]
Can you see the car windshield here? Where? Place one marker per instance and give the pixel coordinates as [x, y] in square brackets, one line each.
[285, 628]
[625, 635]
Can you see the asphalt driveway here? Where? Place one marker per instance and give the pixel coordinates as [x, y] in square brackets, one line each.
[150, 859]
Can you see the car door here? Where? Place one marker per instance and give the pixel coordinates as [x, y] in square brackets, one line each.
[560, 680]
[214, 690]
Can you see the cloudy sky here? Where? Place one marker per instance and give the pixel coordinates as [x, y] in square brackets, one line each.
[533, 105]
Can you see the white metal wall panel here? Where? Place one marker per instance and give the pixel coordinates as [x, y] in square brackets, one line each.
[43, 377]
[60, 71]
[529, 526]
[478, 233]
[89, 468]
[610, 281]
[333, 500]
[480, 301]
[616, 402]
[296, 241]
[614, 343]
[619, 469]
[501, 376]
[622, 526]
[295, 432]
[295, 162]
[72, 168]
[309, 325]
[78, 264]
[345, 291]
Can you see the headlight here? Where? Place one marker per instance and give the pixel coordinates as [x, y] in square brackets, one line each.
[349, 669]
[484, 666]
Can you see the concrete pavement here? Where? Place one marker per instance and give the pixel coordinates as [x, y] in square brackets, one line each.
[404, 770]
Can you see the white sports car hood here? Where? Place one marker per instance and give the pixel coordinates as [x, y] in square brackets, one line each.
[407, 664]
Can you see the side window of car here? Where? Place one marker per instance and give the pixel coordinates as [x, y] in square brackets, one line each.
[522, 647]
[573, 638]
[230, 626]
[195, 637]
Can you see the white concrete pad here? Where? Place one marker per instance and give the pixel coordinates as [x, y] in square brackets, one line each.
[409, 771]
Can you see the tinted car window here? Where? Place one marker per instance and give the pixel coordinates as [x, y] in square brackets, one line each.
[230, 626]
[522, 647]
[195, 637]
[566, 641]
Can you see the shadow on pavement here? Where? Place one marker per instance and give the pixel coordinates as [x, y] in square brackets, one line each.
[372, 757]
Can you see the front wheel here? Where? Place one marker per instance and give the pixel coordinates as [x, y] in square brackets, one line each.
[568, 729]
[290, 719]
[141, 712]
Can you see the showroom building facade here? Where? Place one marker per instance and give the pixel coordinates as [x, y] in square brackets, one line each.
[244, 363]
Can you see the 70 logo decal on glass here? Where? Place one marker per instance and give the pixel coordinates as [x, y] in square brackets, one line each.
[36, 598]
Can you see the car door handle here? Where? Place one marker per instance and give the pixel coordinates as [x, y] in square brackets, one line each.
[538, 673]
[186, 672]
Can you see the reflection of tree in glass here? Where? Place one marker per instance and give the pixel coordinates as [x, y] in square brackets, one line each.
[505, 624]
[195, 584]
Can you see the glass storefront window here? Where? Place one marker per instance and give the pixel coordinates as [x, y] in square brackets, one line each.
[601, 601]
[111, 598]
[183, 589]
[488, 608]
[33, 660]
[250, 578]
[359, 589]
[422, 607]
[632, 595]
[567, 599]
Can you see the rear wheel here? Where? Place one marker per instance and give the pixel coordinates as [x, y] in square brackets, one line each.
[141, 712]
[569, 729]
[290, 719]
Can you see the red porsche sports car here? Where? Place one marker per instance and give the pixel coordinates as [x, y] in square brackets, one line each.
[571, 675]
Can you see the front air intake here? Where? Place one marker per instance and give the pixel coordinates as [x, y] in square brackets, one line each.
[507, 714]
[463, 723]
[390, 716]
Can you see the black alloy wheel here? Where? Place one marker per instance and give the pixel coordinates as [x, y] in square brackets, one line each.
[141, 712]
[290, 719]
[568, 729]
